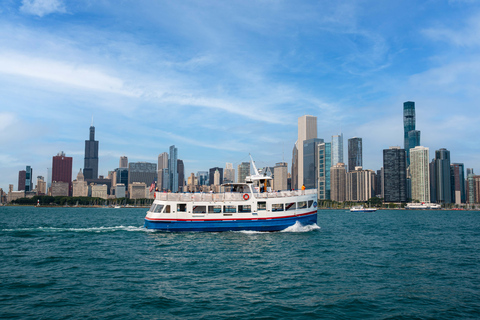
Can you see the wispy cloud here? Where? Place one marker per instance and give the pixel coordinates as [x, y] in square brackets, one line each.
[466, 36]
[42, 7]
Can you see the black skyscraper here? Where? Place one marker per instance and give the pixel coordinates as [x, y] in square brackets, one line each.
[442, 176]
[354, 153]
[395, 173]
[411, 136]
[90, 167]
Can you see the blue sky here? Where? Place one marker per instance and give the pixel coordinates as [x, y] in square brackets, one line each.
[222, 79]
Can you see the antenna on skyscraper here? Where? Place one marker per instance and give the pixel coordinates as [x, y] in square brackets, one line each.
[92, 121]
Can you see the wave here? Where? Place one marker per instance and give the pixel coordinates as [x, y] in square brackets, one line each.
[93, 229]
[298, 227]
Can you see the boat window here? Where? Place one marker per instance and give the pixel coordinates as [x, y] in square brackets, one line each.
[245, 208]
[152, 207]
[290, 206]
[277, 207]
[261, 205]
[167, 209]
[214, 209]
[310, 202]
[158, 208]
[230, 209]
[199, 209]
[182, 207]
[302, 204]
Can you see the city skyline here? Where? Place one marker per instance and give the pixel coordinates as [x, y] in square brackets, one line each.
[173, 74]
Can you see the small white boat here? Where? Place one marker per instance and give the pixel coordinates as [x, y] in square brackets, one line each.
[423, 206]
[362, 209]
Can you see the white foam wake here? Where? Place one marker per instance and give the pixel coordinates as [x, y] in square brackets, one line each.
[298, 227]
[94, 229]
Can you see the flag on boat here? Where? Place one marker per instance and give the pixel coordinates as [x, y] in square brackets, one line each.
[152, 187]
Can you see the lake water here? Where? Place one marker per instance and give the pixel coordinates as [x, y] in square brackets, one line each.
[70, 263]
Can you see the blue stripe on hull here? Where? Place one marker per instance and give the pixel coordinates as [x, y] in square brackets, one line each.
[230, 225]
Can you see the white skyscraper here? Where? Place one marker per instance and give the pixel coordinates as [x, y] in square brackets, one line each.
[420, 174]
[337, 149]
[307, 129]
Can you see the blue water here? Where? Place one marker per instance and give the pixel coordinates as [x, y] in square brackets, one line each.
[70, 263]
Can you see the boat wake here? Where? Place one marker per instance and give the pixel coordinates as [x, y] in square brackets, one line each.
[298, 227]
[94, 229]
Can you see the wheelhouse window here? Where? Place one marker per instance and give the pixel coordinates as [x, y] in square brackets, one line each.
[277, 207]
[261, 205]
[310, 202]
[230, 209]
[199, 209]
[158, 208]
[290, 206]
[245, 208]
[302, 204]
[167, 209]
[181, 207]
[152, 207]
[214, 209]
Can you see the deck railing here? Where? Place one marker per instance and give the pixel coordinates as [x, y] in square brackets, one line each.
[227, 196]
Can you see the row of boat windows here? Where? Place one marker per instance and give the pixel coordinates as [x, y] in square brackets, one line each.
[261, 206]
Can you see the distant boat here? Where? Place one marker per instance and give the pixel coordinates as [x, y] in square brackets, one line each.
[362, 209]
[117, 207]
[423, 206]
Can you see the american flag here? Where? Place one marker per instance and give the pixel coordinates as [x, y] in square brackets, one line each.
[152, 187]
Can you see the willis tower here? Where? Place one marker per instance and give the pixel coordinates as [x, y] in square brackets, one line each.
[90, 167]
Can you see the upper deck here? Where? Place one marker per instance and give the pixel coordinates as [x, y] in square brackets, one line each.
[229, 196]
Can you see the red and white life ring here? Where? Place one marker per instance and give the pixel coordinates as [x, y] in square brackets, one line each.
[246, 196]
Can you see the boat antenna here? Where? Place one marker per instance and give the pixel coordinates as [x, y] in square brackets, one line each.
[253, 164]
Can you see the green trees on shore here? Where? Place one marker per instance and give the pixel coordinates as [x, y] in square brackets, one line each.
[81, 201]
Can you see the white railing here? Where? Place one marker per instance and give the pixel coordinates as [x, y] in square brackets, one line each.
[227, 196]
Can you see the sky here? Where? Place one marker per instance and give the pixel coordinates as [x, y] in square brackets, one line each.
[224, 79]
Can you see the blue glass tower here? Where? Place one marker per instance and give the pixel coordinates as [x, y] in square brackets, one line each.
[173, 169]
[411, 136]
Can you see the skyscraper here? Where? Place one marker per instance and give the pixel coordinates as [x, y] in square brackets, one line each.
[420, 174]
[211, 175]
[457, 176]
[294, 177]
[394, 174]
[141, 172]
[338, 175]
[28, 179]
[442, 176]
[21, 180]
[229, 174]
[337, 149]
[307, 129]
[163, 178]
[310, 162]
[354, 153]
[123, 162]
[280, 176]
[173, 168]
[411, 136]
[243, 171]
[360, 184]
[324, 164]
[90, 167]
[181, 175]
[62, 169]
[202, 178]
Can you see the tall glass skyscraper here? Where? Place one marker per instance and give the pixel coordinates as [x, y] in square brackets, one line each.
[354, 153]
[394, 174]
[90, 166]
[324, 164]
[173, 168]
[310, 163]
[457, 176]
[337, 149]
[411, 136]
[442, 176]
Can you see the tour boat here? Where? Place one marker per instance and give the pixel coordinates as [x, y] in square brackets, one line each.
[250, 206]
[423, 206]
[362, 209]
